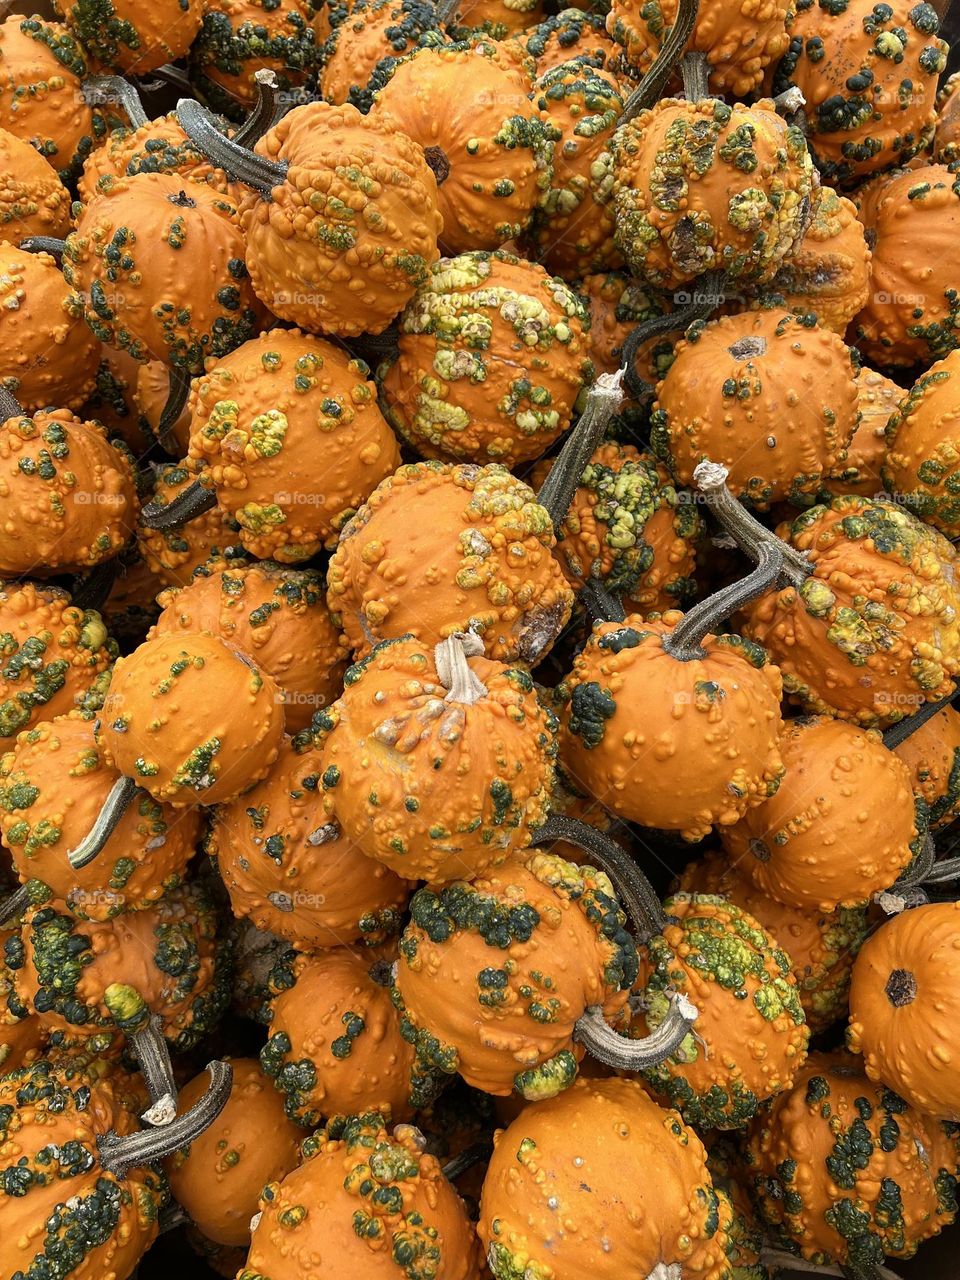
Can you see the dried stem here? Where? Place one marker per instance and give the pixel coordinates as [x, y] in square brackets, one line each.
[607, 1046]
[604, 400]
[266, 111]
[651, 87]
[144, 1030]
[747, 532]
[177, 396]
[450, 657]
[706, 296]
[102, 90]
[686, 640]
[696, 76]
[226, 154]
[898, 733]
[121, 797]
[193, 502]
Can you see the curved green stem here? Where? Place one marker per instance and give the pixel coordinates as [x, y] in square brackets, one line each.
[105, 90]
[45, 244]
[686, 640]
[10, 406]
[607, 1046]
[224, 153]
[601, 603]
[92, 590]
[121, 797]
[15, 904]
[193, 502]
[747, 532]
[706, 294]
[651, 87]
[898, 733]
[695, 70]
[266, 111]
[643, 907]
[604, 400]
[119, 1155]
[144, 1030]
[180, 383]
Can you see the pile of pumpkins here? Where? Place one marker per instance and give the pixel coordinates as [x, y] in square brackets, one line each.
[479, 620]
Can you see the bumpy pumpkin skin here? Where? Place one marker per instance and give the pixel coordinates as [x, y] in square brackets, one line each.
[912, 218]
[362, 49]
[335, 1045]
[701, 186]
[438, 549]
[191, 719]
[932, 755]
[556, 930]
[132, 38]
[49, 356]
[652, 1206]
[869, 77]
[751, 1033]
[70, 1217]
[219, 1177]
[33, 200]
[740, 40]
[569, 35]
[499, 18]
[69, 495]
[922, 464]
[54, 655]
[290, 870]
[239, 37]
[305, 254]
[170, 952]
[828, 273]
[364, 1202]
[493, 355]
[873, 633]
[478, 126]
[877, 398]
[821, 945]
[847, 1170]
[174, 555]
[841, 826]
[903, 1008]
[746, 1237]
[280, 617]
[771, 396]
[42, 68]
[634, 718]
[946, 140]
[22, 1038]
[436, 790]
[161, 269]
[287, 431]
[52, 786]
[629, 526]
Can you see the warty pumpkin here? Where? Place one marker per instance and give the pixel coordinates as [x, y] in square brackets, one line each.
[160, 263]
[48, 356]
[53, 784]
[912, 220]
[922, 462]
[769, 395]
[499, 18]
[932, 754]
[492, 359]
[218, 1177]
[488, 145]
[570, 35]
[335, 1045]
[946, 139]
[33, 200]
[651, 1208]
[292, 871]
[903, 1008]
[54, 655]
[22, 1038]
[868, 75]
[362, 50]
[129, 37]
[365, 1201]
[437, 761]
[277, 615]
[175, 553]
[342, 221]
[847, 1171]
[877, 399]
[842, 826]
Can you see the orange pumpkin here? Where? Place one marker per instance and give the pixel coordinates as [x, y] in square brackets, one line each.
[52, 786]
[48, 354]
[438, 549]
[493, 356]
[821, 945]
[946, 140]
[877, 398]
[22, 1038]
[218, 1178]
[868, 75]
[922, 463]
[501, 18]
[652, 1209]
[842, 826]
[932, 754]
[438, 766]
[33, 200]
[570, 35]
[279, 616]
[130, 37]
[485, 140]
[618, 304]
[770, 396]
[360, 53]
[174, 554]
[55, 656]
[292, 871]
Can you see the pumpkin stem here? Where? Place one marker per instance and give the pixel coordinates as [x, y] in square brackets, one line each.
[169, 74]
[121, 796]
[119, 1155]
[776, 1260]
[651, 87]
[104, 90]
[90, 590]
[908, 726]
[176, 401]
[171, 1218]
[439, 162]
[144, 1030]
[604, 400]
[602, 604]
[266, 111]
[685, 642]
[943, 872]
[747, 532]
[45, 244]
[226, 154]
[790, 103]
[10, 406]
[705, 296]
[193, 502]
[634, 890]
[615, 1050]
[696, 76]
[450, 657]
[467, 1158]
[15, 904]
